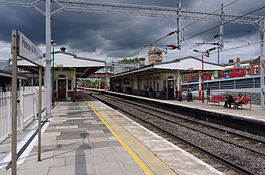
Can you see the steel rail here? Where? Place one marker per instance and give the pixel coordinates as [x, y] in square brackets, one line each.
[189, 120]
[194, 122]
[240, 168]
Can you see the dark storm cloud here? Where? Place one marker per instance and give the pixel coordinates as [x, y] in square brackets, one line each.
[117, 35]
[23, 19]
[108, 32]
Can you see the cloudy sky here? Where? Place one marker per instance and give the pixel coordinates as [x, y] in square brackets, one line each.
[112, 37]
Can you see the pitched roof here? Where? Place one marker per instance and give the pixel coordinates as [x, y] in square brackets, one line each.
[183, 64]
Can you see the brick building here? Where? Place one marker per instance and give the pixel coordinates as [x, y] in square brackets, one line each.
[154, 55]
[252, 67]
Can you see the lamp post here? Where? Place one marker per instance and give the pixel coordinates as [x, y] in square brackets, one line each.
[53, 44]
[206, 53]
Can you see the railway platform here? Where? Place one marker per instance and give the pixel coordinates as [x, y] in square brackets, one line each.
[255, 113]
[88, 137]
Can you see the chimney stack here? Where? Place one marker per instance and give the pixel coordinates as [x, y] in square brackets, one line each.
[141, 60]
[238, 60]
[63, 49]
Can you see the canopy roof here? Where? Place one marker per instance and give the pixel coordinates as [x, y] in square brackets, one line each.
[182, 64]
[67, 61]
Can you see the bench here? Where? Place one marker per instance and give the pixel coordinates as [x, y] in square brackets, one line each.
[246, 101]
[216, 99]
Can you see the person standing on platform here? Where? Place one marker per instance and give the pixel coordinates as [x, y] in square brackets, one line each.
[145, 91]
[150, 91]
[191, 89]
[208, 93]
[171, 93]
[189, 94]
[165, 92]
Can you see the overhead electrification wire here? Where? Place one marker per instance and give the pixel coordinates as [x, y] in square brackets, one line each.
[208, 15]
[225, 23]
[171, 33]
[237, 47]
[194, 22]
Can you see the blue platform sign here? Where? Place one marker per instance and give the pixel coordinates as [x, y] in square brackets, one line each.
[28, 51]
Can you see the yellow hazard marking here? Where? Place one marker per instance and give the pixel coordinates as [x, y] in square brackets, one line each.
[126, 147]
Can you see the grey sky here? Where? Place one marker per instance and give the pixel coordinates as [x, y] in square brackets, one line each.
[112, 37]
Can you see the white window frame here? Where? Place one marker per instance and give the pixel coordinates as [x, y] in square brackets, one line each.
[256, 70]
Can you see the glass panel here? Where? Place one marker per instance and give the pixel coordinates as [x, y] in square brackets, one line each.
[54, 85]
[69, 84]
[62, 76]
[239, 71]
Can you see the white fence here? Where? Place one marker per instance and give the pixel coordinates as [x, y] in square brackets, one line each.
[26, 111]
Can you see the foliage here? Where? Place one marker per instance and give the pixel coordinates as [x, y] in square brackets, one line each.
[28, 82]
[130, 60]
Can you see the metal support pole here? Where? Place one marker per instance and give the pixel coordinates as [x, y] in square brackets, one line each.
[52, 74]
[48, 57]
[178, 85]
[74, 84]
[39, 116]
[200, 85]
[178, 25]
[221, 36]
[202, 80]
[14, 101]
[218, 55]
[261, 29]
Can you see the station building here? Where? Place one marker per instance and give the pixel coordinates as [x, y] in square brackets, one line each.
[163, 78]
[67, 68]
[6, 77]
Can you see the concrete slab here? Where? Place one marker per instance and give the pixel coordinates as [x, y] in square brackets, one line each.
[159, 154]
[33, 171]
[68, 148]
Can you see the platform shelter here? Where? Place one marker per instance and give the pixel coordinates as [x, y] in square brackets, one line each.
[67, 68]
[163, 78]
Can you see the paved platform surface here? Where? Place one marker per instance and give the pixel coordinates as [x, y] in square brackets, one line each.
[152, 148]
[94, 139]
[22, 136]
[77, 142]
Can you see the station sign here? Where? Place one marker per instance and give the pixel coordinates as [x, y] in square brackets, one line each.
[28, 51]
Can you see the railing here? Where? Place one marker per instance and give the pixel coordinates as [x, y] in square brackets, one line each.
[5, 114]
[26, 109]
[231, 83]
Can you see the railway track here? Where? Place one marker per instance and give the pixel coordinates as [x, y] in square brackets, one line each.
[228, 150]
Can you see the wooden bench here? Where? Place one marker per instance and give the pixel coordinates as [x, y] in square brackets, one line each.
[216, 99]
[246, 101]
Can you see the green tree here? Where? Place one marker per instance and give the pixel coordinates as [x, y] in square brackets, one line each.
[129, 60]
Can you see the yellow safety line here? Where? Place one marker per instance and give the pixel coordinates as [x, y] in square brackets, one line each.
[132, 154]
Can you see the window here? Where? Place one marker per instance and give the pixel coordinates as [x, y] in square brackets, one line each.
[239, 71]
[230, 72]
[69, 85]
[61, 76]
[247, 71]
[256, 70]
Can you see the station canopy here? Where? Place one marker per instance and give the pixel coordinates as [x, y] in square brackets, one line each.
[67, 61]
[186, 64]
